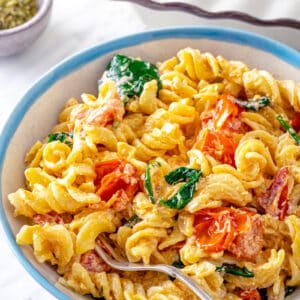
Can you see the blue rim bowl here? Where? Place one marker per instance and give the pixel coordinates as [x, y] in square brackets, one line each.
[281, 51]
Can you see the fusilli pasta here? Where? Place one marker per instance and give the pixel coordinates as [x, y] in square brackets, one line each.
[188, 163]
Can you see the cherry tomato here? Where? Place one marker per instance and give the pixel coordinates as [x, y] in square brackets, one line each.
[106, 114]
[116, 175]
[295, 122]
[223, 228]
[225, 111]
[275, 199]
[92, 262]
[249, 294]
[218, 145]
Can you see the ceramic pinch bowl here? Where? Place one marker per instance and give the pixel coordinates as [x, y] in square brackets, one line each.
[15, 40]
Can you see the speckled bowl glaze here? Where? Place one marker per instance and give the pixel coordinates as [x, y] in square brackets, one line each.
[15, 40]
[37, 111]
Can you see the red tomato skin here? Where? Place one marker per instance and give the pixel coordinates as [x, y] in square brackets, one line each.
[295, 122]
[218, 146]
[233, 230]
[275, 199]
[249, 294]
[52, 217]
[107, 114]
[221, 123]
[92, 262]
[225, 111]
[115, 177]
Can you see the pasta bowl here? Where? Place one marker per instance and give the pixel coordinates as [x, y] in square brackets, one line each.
[37, 112]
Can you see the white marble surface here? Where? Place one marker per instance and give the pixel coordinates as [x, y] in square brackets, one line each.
[75, 25]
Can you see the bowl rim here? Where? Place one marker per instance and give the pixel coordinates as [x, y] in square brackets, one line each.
[41, 13]
[86, 56]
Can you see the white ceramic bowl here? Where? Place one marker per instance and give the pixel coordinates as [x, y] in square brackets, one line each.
[37, 112]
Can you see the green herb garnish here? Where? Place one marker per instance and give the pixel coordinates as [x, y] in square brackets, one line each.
[285, 124]
[132, 221]
[147, 181]
[186, 192]
[289, 290]
[131, 75]
[178, 264]
[235, 270]
[148, 184]
[16, 12]
[64, 137]
[181, 174]
[253, 104]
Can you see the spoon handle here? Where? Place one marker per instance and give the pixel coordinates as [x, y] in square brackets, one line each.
[170, 270]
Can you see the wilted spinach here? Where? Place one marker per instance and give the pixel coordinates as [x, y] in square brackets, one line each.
[131, 75]
[186, 192]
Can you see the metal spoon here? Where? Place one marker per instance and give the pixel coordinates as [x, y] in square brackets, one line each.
[170, 270]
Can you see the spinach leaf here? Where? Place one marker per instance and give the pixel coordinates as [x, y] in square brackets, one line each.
[148, 184]
[132, 221]
[178, 264]
[180, 175]
[64, 137]
[289, 290]
[253, 104]
[147, 181]
[131, 75]
[182, 197]
[235, 270]
[285, 124]
[186, 192]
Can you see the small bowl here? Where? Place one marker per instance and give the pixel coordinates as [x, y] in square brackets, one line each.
[15, 40]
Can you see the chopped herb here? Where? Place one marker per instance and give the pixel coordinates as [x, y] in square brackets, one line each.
[181, 174]
[186, 192]
[147, 181]
[16, 12]
[285, 124]
[148, 184]
[289, 290]
[131, 75]
[235, 270]
[252, 104]
[63, 137]
[133, 221]
[182, 197]
[178, 264]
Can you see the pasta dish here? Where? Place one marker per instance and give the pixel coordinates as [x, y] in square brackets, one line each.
[193, 162]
